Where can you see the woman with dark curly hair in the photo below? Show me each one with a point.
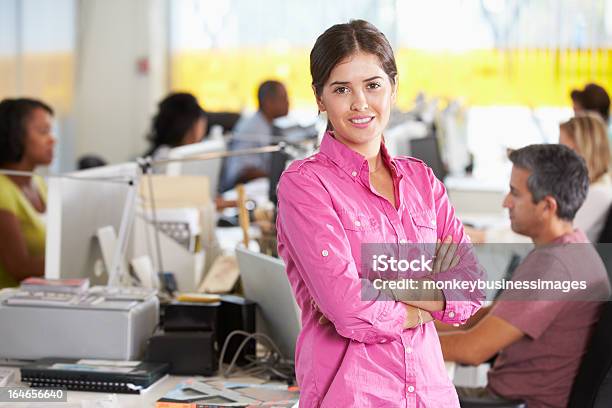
(179, 121)
(26, 142)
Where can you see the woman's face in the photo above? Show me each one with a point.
(566, 140)
(357, 98)
(39, 140)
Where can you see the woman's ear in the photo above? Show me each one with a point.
(318, 98)
(394, 92)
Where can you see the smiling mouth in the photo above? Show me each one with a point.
(362, 121)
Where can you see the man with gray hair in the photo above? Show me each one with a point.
(539, 336)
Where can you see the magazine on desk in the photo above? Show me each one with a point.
(199, 394)
(33, 284)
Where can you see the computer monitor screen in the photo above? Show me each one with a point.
(209, 167)
(427, 149)
(77, 207)
(265, 282)
(277, 166)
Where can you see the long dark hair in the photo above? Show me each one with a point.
(176, 114)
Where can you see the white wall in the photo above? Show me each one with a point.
(114, 102)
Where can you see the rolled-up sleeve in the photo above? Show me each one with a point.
(312, 242)
(461, 303)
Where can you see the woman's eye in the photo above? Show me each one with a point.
(341, 90)
(373, 85)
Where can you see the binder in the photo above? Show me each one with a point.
(109, 376)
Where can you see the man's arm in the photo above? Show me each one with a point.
(475, 346)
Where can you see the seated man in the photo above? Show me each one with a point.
(252, 132)
(540, 335)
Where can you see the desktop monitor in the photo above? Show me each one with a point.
(209, 167)
(265, 282)
(277, 167)
(398, 136)
(427, 149)
(227, 121)
(78, 206)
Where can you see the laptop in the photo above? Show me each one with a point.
(265, 282)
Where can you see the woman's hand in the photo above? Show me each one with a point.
(322, 319)
(446, 257)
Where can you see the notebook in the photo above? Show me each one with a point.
(127, 377)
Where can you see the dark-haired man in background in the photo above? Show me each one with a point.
(593, 98)
(252, 132)
(540, 336)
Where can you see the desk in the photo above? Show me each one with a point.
(146, 399)
(81, 399)
(469, 195)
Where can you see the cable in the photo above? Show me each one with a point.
(271, 364)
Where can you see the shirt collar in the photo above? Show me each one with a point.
(349, 160)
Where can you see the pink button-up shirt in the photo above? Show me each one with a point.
(364, 358)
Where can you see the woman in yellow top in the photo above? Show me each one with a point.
(25, 143)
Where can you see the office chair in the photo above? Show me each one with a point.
(605, 237)
(604, 244)
(593, 384)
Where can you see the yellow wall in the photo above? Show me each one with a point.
(228, 79)
(49, 77)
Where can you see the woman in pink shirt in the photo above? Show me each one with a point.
(371, 351)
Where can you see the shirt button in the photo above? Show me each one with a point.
(451, 314)
(403, 241)
(409, 350)
(433, 222)
(357, 224)
(324, 252)
(383, 341)
(354, 174)
(410, 388)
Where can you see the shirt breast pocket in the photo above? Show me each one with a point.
(426, 226)
(357, 222)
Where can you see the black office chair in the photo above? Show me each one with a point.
(593, 384)
(605, 236)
